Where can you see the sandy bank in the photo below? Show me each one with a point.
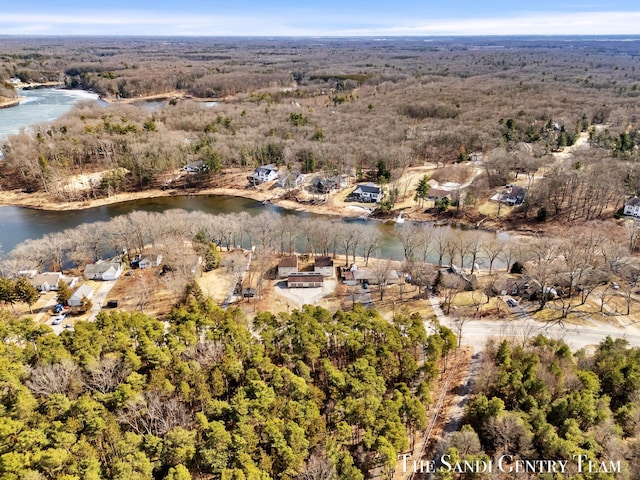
(42, 201)
(9, 102)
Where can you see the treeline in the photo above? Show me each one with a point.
(535, 399)
(205, 395)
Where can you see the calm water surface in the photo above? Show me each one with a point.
(18, 224)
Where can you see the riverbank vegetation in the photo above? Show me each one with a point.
(585, 270)
(204, 394)
(535, 399)
(371, 112)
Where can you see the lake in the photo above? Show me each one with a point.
(39, 106)
(18, 224)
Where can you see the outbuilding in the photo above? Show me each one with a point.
(305, 280)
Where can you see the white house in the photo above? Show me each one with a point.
(150, 261)
(266, 173)
(84, 291)
(47, 281)
(632, 207)
(287, 266)
(323, 266)
(368, 192)
(103, 271)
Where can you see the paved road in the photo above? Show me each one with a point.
(476, 332)
(521, 327)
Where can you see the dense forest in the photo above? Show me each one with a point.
(358, 107)
(204, 394)
(535, 399)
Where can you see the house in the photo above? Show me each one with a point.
(327, 185)
(438, 194)
(511, 195)
(48, 281)
(346, 275)
(103, 271)
(266, 173)
(194, 167)
(323, 266)
(368, 192)
(370, 277)
(287, 266)
(305, 280)
(146, 261)
(83, 292)
(290, 180)
(632, 207)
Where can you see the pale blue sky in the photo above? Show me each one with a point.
(320, 18)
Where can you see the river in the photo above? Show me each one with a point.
(18, 224)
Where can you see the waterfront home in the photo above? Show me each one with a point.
(195, 167)
(328, 185)
(48, 281)
(323, 266)
(632, 207)
(368, 192)
(265, 173)
(370, 277)
(287, 266)
(103, 271)
(146, 261)
(290, 180)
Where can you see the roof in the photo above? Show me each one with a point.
(83, 291)
(389, 275)
(52, 278)
(368, 188)
(305, 277)
(94, 268)
(438, 193)
(323, 262)
(291, 261)
(271, 168)
(632, 202)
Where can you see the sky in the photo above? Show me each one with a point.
(320, 18)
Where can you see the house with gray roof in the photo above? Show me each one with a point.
(368, 192)
(103, 271)
(632, 207)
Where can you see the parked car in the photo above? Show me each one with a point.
(512, 303)
(58, 319)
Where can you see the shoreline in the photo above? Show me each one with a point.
(40, 201)
(11, 102)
